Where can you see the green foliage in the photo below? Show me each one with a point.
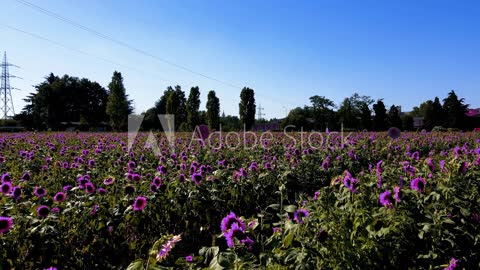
(344, 230)
(64, 99)
(117, 105)
(393, 117)
(176, 105)
(193, 105)
(247, 107)
(380, 117)
(213, 110)
(322, 110)
(230, 123)
(455, 111)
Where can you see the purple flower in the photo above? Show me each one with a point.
(89, 188)
(247, 242)
(67, 188)
(157, 181)
(418, 184)
(315, 196)
(234, 232)
(101, 191)
(350, 182)
(385, 199)
(140, 203)
(51, 268)
(6, 178)
(94, 209)
(300, 215)
(379, 166)
(91, 163)
(197, 178)
(394, 132)
(40, 192)
(464, 167)
(430, 164)
(268, 166)
(397, 193)
(189, 258)
(325, 164)
(167, 247)
(59, 197)
(108, 181)
(16, 193)
(452, 265)
(43, 211)
(229, 220)
(6, 188)
(131, 164)
(442, 165)
(162, 169)
(26, 176)
(6, 224)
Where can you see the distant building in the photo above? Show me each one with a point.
(269, 126)
(418, 122)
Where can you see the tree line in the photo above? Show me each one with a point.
(60, 102)
(360, 112)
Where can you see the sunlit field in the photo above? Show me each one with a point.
(363, 200)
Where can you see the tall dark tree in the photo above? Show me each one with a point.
(365, 117)
(438, 113)
(117, 105)
(426, 111)
(322, 109)
(176, 105)
(393, 117)
(213, 110)
(193, 105)
(347, 114)
(454, 111)
(247, 107)
(161, 104)
(380, 117)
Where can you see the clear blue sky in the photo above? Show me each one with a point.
(402, 51)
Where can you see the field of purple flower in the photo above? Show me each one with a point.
(365, 201)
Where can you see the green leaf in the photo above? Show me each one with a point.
(136, 265)
(287, 240)
(290, 208)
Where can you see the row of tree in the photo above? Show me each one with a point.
(361, 112)
(188, 114)
(61, 102)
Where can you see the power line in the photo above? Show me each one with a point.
(83, 52)
(121, 43)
